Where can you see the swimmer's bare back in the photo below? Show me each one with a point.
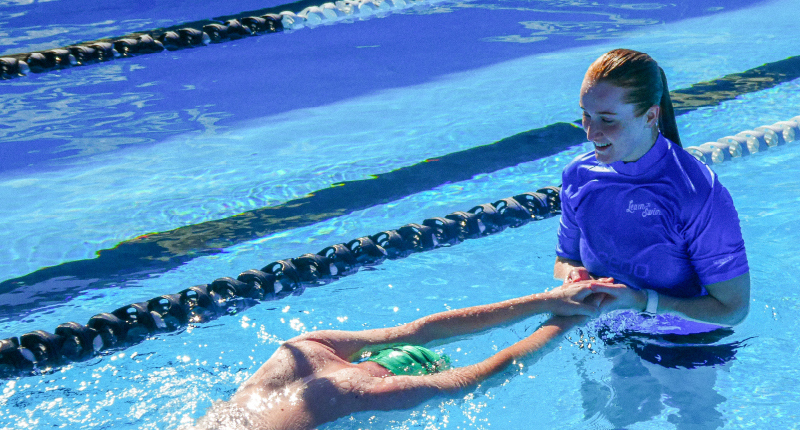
(305, 384)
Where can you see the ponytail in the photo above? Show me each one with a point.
(666, 120)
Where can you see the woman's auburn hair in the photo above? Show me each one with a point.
(645, 80)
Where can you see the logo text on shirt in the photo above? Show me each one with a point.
(722, 261)
(645, 208)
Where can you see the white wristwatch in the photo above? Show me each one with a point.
(652, 302)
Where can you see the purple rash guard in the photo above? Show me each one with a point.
(663, 222)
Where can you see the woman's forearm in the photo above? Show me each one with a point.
(704, 309)
(727, 302)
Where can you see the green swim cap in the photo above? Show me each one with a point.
(411, 360)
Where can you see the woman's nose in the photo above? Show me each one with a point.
(592, 130)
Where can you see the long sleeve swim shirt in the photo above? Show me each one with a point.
(663, 222)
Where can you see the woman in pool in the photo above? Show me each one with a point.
(312, 379)
(642, 210)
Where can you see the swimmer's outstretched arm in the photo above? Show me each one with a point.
(569, 299)
(408, 391)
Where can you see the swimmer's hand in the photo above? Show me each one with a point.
(578, 297)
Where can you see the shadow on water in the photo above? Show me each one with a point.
(60, 118)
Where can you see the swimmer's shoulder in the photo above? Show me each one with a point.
(294, 360)
(338, 391)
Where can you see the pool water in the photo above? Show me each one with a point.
(97, 155)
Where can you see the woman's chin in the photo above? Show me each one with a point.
(604, 154)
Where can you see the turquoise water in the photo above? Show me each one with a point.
(73, 207)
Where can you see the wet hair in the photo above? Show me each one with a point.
(646, 81)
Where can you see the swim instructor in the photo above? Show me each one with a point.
(324, 375)
(642, 210)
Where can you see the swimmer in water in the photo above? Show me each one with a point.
(321, 376)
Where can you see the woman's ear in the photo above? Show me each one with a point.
(652, 115)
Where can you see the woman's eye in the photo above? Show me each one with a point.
(607, 121)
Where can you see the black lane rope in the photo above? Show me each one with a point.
(159, 252)
(41, 351)
(195, 34)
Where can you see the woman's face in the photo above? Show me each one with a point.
(611, 124)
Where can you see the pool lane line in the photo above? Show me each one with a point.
(193, 34)
(156, 253)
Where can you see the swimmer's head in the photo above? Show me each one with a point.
(410, 360)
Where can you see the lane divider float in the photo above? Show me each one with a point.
(747, 142)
